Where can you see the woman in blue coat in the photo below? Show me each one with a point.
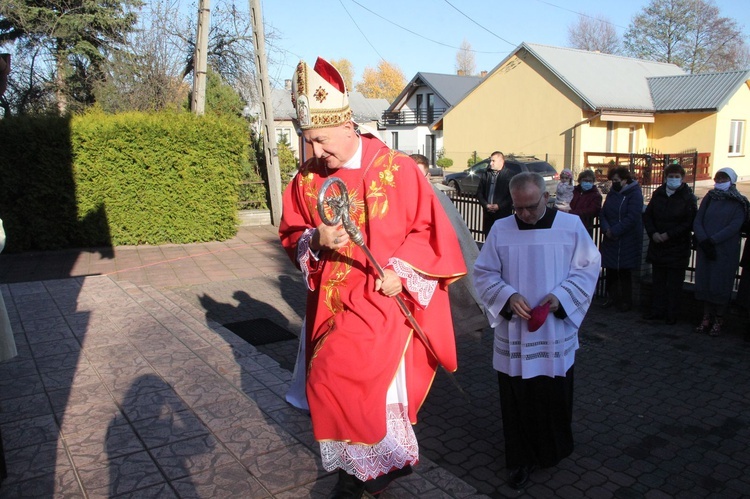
(717, 229)
(622, 237)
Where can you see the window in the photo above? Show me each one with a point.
(420, 119)
(429, 149)
(284, 135)
(430, 107)
(631, 140)
(394, 140)
(736, 133)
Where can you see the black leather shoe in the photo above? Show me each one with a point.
(519, 477)
(377, 485)
(608, 303)
(348, 487)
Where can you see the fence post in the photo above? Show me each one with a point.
(695, 168)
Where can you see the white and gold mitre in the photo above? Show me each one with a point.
(319, 96)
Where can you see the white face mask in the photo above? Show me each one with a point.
(722, 186)
(674, 183)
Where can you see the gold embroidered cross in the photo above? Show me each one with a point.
(320, 94)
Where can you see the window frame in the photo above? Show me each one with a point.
(736, 138)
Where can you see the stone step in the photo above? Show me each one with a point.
(252, 218)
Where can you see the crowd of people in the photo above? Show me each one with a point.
(673, 225)
(383, 309)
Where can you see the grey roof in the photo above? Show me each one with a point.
(449, 88)
(364, 109)
(603, 81)
(696, 92)
(282, 104)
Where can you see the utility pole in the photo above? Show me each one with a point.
(200, 58)
(266, 114)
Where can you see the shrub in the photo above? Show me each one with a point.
(444, 162)
(132, 178)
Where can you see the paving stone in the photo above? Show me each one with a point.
(658, 412)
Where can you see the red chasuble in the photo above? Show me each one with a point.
(356, 337)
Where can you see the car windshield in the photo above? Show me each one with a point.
(482, 165)
(542, 168)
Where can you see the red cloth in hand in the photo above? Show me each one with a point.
(538, 316)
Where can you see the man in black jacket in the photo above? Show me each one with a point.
(494, 192)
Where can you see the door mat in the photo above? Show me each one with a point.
(260, 331)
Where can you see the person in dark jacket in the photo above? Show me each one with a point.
(743, 290)
(587, 200)
(622, 237)
(494, 192)
(717, 230)
(668, 221)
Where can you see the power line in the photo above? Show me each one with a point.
(417, 34)
(487, 30)
(581, 14)
(360, 31)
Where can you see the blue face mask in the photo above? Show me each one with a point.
(722, 186)
(586, 186)
(674, 183)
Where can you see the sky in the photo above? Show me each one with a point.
(425, 35)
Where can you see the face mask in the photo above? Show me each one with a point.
(722, 186)
(674, 183)
(616, 187)
(586, 186)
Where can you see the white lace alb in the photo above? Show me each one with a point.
(396, 450)
(419, 285)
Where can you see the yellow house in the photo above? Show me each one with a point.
(559, 104)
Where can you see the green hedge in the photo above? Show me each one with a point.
(133, 178)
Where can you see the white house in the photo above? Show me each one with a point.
(410, 118)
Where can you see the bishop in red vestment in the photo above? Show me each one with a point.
(368, 373)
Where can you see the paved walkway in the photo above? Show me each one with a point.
(127, 384)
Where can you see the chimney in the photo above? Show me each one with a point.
(287, 84)
(460, 72)
(483, 74)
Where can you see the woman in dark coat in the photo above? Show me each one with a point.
(587, 200)
(717, 229)
(622, 237)
(668, 221)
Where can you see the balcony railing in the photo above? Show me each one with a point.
(423, 117)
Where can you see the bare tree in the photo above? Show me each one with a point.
(715, 43)
(147, 75)
(465, 63)
(31, 86)
(230, 45)
(596, 34)
(688, 33)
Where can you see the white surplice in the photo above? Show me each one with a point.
(561, 260)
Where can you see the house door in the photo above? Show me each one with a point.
(429, 149)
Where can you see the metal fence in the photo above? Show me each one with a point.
(648, 168)
(472, 213)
